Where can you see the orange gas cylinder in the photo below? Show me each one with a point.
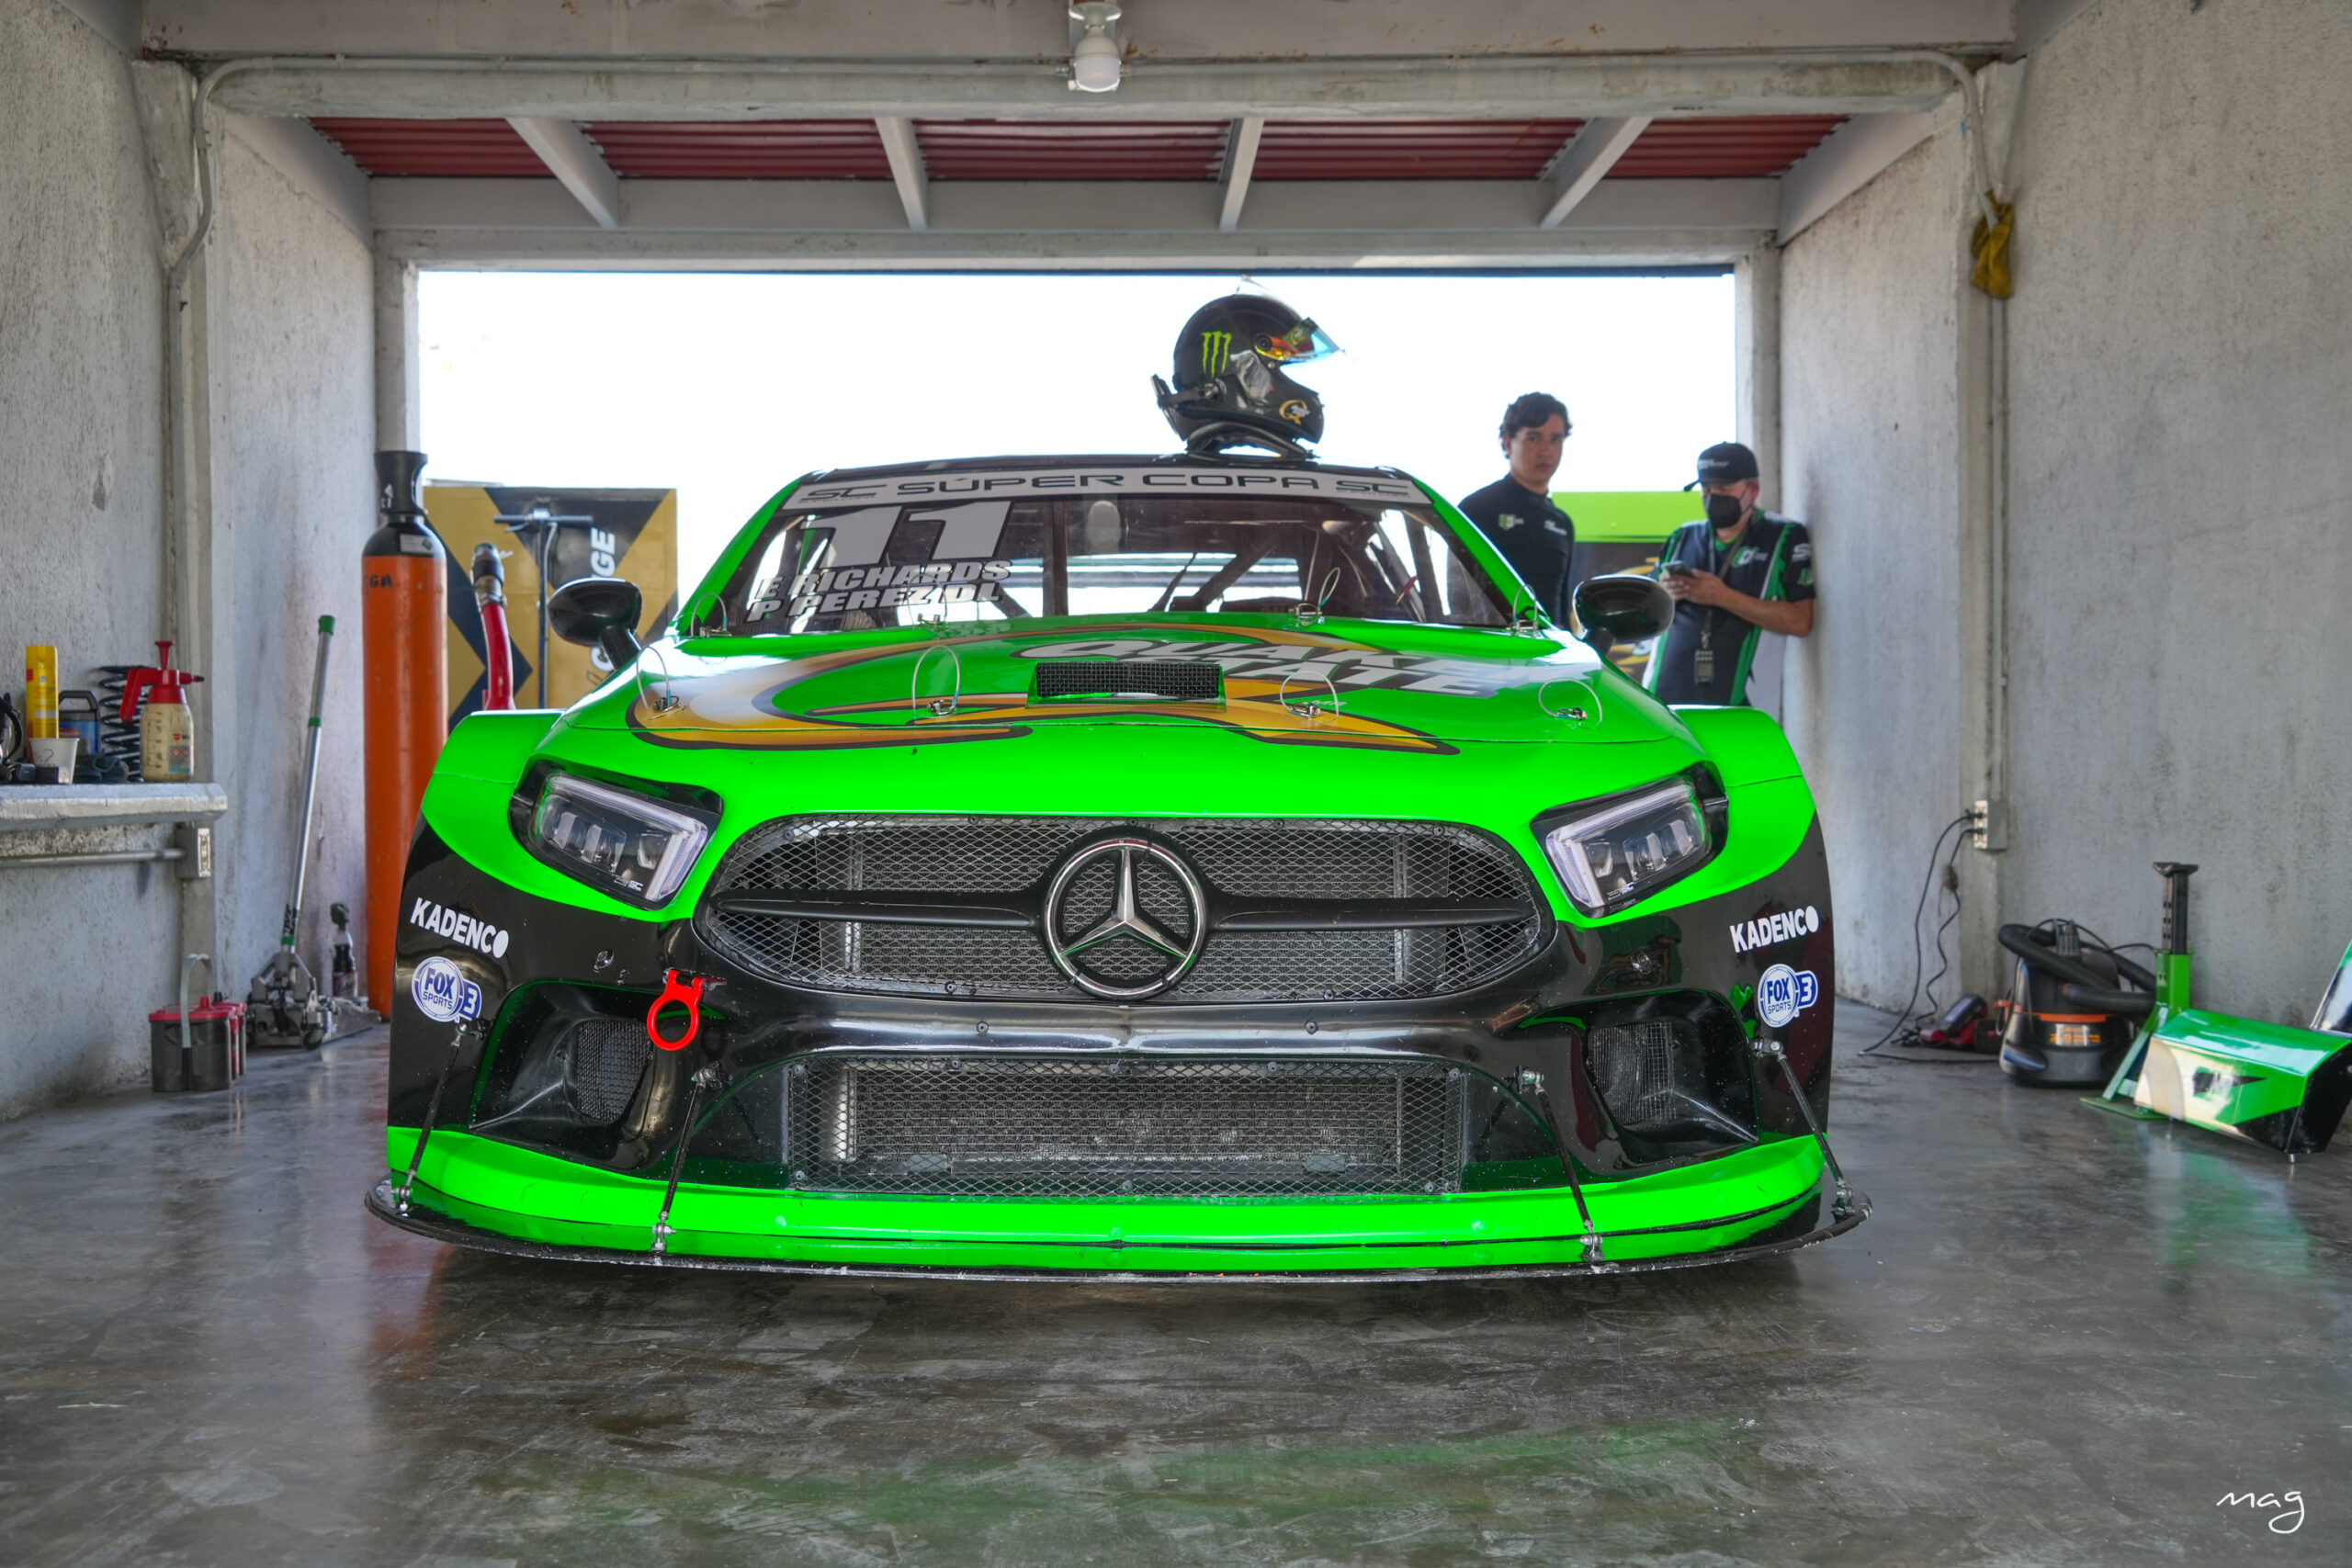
(403, 602)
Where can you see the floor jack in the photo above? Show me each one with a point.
(2268, 1083)
(285, 1009)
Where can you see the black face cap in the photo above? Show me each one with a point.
(1726, 462)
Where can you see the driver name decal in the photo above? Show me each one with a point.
(829, 591)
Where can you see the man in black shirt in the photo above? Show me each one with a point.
(1515, 510)
(1734, 574)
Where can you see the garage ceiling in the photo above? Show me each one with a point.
(1744, 147)
(945, 134)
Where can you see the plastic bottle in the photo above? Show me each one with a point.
(166, 728)
(342, 975)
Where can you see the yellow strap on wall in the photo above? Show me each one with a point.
(1990, 247)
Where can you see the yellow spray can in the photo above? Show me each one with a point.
(40, 694)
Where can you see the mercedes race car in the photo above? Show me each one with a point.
(1151, 866)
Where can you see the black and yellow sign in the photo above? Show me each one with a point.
(631, 533)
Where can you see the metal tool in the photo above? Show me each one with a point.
(287, 1009)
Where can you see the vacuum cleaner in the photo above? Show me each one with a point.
(2271, 1083)
(2070, 1016)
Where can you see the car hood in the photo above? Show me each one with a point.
(1350, 684)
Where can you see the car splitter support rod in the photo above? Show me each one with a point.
(466, 1027)
(1535, 1080)
(705, 1079)
(1769, 1045)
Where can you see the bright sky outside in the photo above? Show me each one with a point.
(727, 387)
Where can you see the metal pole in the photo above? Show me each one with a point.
(1768, 1045)
(310, 781)
(1592, 1242)
(465, 1026)
(547, 537)
(706, 1078)
(97, 857)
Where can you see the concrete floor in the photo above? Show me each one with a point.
(2061, 1339)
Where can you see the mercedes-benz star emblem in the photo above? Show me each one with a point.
(1172, 953)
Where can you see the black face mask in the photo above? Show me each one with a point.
(1723, 511)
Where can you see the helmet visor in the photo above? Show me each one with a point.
(1296, 346)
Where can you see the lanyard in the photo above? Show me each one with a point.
(1715, 551)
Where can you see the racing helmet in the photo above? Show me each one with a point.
(1231, 388)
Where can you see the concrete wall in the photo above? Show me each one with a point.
(1869, 443)
(293, 403)
(2178, 564)
(86, 952)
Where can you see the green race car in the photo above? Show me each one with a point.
(1151, 866)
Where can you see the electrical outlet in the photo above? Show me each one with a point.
(1988, 825)
(195, 845)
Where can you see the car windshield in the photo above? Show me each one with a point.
(851, 567)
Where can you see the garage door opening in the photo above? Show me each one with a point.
(726, 387)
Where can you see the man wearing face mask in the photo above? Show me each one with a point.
(1517, 513)
(1739, 573)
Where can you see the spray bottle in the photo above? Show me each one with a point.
(342, 975)
(166, 728)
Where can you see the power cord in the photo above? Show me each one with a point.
(1951, 879)
(1904, 1019)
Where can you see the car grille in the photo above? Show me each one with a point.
(996, 1126)
(841, 859)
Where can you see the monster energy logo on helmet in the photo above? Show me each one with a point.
(1230, 386)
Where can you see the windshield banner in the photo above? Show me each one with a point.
(1144, 478)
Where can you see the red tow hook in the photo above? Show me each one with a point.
(676, 988)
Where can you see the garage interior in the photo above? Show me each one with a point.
(2061, 1336)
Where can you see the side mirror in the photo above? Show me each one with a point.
(598, 612)
(1622, 607)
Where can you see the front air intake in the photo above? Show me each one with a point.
(1674, 1073)
(1130, 681)
(1071, 1125)
(1097, 1128)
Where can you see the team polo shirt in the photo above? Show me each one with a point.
(1531, 534)
(1771, 559)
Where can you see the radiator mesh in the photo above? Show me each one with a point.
(1091, 1127)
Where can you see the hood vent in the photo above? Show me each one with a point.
(1130, 681)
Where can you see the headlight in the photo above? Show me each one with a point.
(629, 846)
(1611, 853)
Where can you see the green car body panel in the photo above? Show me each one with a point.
(1320, 723)
(2268, 1083)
